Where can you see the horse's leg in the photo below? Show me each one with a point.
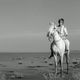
(67, 44)
(67, 60)
(55, 56)
(59, 61)
(61, 66)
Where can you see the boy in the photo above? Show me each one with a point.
(62, 31)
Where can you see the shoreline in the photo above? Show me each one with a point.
(36, 65)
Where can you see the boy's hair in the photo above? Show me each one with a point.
(61, 19)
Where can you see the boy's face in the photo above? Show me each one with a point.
(61, 22)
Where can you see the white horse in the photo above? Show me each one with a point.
(59, 48)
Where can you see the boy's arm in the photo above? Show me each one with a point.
(49, 37)
(65, 31)
(47, 34)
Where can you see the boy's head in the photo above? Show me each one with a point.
(61, 21)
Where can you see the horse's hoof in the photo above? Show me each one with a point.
(51, 64)
(74, 62)
(45, 61)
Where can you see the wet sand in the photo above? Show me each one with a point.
(37, 68)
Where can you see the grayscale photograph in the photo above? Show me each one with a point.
(39, 39)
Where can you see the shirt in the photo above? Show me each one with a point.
(62, 31)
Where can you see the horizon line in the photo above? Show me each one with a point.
(35, 52)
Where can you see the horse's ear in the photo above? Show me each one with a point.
(51, 23)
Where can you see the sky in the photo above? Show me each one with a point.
(24, 23)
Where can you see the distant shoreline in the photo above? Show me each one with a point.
(71, 51)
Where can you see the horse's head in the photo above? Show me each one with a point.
(53, 28)
(52, 31)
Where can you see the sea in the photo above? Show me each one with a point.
(4, 56)
(7, 56)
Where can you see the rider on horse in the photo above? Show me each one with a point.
(62, 31)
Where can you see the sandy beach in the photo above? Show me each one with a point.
(36, 68)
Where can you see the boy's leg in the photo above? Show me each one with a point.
(51, 48)
(66, 45)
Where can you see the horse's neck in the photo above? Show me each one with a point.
(56, 36)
